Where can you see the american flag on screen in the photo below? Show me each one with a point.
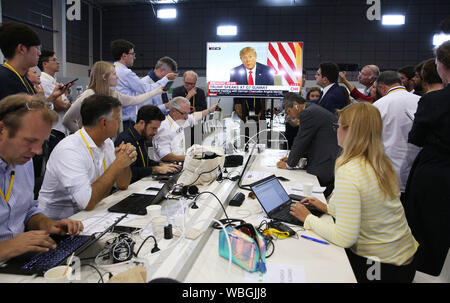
(286, 59)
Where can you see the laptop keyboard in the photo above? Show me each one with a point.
(287, 217)
(43, 262)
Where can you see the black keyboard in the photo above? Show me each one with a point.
(43, 262)
(285, 216)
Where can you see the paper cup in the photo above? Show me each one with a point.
(153, 211)
(307, 189)
(56, 274)
(158, 224)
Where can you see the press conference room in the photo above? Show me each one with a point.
(204, 144)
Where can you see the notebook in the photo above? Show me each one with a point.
(275, 200)
(38, 263)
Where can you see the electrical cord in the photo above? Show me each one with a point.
(154, 249)
(198, 177)
(269, 239)
(208, 192)
(98, 271)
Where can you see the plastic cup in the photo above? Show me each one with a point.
(153, 211)
(307, 189)
(56, 274)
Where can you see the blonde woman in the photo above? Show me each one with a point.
(103, 77)
(369, 218)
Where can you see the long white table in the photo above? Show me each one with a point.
(198, 260)
(313, 261)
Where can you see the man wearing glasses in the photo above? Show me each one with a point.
(21, 47)
(169, 142)
(49, 66)
(190, 91)
(130, 84)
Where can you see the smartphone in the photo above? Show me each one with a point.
(124, 229)
(282, 178)
(167, 86)
(296, 197)
(65, 85)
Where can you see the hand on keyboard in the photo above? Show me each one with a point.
(36, 240)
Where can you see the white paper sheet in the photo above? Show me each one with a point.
(278, 273)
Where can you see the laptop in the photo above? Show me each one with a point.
(136, 204)
(248, 164)
(38, 263)
(275, 200)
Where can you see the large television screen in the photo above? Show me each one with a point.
(253, 69)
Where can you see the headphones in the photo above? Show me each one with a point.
(121, 249)
(189, 189)
(185, 190)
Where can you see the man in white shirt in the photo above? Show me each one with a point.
(397, 108)
(49, 66)
(85, 165)
(169, 142)
(130, 84)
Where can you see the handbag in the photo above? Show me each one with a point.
(248, 247)
(201, 170)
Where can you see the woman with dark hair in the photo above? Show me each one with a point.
(427, 203)
(431, 80)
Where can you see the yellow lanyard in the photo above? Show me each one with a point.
(193, 100)
(182, 140)
(92, 156)
(27, 86)
(42, 74)
(399, 88)
(254, 104)
(140, 150)
(8, 194)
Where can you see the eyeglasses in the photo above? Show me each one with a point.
(189, 83)
(133, 54)
(335, 126)
(54, 59)
(184, 114)
(34, 104)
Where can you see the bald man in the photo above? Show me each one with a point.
(190, 91)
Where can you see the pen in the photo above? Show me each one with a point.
(315, 240)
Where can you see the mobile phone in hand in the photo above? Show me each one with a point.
(68, 83)
(167, 86)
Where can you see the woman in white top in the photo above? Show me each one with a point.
(103, 77)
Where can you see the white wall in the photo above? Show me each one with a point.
(76, 70)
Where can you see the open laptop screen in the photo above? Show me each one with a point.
(270, 193)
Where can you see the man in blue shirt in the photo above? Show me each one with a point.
(25, 123)
(130, 84)
(149, 119)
